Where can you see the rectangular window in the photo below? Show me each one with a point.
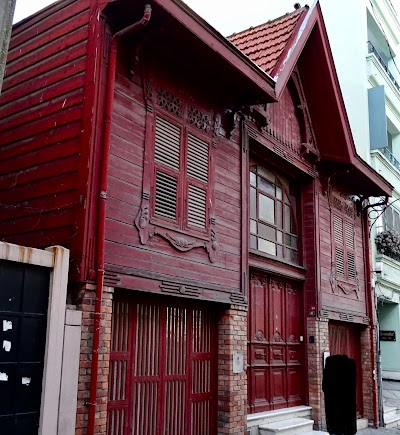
(181, 161)
(343, 235)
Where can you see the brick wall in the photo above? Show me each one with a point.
(87, 307)
(369, 391)
(232, 387)
(317, 328)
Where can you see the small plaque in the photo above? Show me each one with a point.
(238, 362)
(387, 335)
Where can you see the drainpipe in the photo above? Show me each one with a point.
(101, 216)
(371, 309)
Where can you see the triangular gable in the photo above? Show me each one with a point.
(307, 47)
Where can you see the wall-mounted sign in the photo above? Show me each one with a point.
(387, 335)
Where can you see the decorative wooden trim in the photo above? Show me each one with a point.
(180, 289)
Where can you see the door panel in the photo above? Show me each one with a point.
(171, 364)
(24, 293)
(275, 346)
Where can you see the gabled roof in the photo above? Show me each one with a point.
(266, 44)
(300, 38)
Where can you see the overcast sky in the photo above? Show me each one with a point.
(227, 16)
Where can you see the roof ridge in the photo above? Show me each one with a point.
(269, 22)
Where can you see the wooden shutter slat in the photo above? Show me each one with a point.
(197, 207)
(338, 229)
(167, 143)
(340, 261)
(351, 267)
(197, 159)
(166, 195)
(349, 235)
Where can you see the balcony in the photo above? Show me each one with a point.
(372, 49)
(387, 281)
(390, 157)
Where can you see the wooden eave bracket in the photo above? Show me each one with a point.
(308, 152)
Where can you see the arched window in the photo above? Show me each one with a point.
(273, 223)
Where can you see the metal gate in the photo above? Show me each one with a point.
(24, 293)
(163, 369)
(275, 344)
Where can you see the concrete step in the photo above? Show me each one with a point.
(315, 432)
(392, 421)
(362, 423)
(278, 414)
(292, 426)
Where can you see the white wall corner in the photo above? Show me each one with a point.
(51, 384)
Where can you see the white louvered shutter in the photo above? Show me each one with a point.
(166, 155)
(197, 172)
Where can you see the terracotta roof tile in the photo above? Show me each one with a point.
(266, 43)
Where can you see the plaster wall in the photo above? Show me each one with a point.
(389, 320)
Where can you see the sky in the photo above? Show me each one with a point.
(227, 16)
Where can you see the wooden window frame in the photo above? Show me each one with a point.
(347, 248)
(181, 224)
(295, 215)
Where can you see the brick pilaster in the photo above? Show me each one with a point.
(317, 328)
(87, 306)
(369, 391)
(232, 387)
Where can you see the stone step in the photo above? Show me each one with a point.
(392, 421)
(292, 426)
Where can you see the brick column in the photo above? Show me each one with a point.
(87, 307)
(317, 328)
(232, 387)
(369, 393)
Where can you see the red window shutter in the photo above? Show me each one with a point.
(167, 155)
(198, 176)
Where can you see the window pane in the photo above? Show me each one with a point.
(279, 236)
(288, 219)
(266, 231)
(266, 246)
(266, 186)
(278, 222)
(278, 192)
(279, 251)
(396, 220)
(253, 203)
(253, 226)
(389, 218)
(266, 208)
(288, 239)
(253, 242)
(294, 256)
(253, 179)
(268, 175)
(294, 242)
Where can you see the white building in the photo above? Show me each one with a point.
(365, 42)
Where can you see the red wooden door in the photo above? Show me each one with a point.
(163, 369)
(344, 339)
(276, 344)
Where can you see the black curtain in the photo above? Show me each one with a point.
(339, 387)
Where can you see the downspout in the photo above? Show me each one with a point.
(371, 309)
(101, 215)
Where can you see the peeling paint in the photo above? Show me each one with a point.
(7, 345)
(3, 377)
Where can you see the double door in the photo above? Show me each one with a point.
(276, 372)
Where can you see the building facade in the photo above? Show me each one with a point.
(371, 94)
(215, 210)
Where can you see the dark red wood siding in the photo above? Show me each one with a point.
(46, 128)
(157, 258)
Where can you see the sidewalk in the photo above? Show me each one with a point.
(381, 430)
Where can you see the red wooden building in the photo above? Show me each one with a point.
(214, 208)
